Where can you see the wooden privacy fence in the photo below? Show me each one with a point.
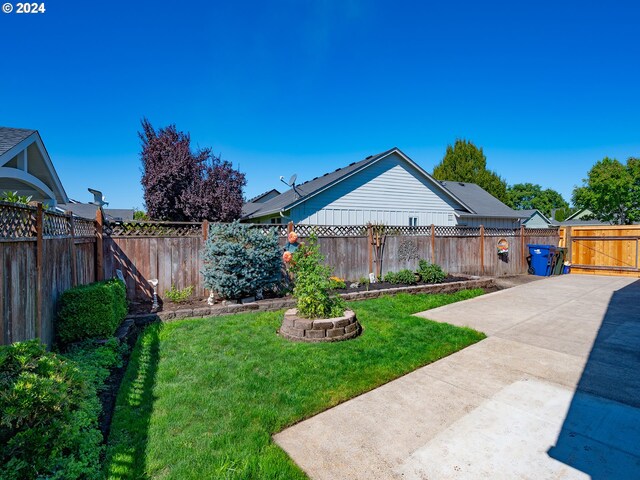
(42, 254)
(603, 249)
(171, 251)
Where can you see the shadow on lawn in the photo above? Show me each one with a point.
(601, 432)
(126, 448)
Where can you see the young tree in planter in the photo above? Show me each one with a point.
(240, 260)
(312, 283)
(185, 185)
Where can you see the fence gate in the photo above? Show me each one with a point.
(603, 250)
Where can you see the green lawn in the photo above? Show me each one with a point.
(201, 398)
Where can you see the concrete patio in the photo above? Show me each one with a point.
(553, 392)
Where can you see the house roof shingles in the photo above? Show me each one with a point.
(482, 202)
(10, 137)
(478, 200)
(307, 188)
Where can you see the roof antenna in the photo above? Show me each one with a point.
(291, 183)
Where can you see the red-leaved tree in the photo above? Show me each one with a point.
(184, 185)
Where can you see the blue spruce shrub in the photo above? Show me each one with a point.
(240, 260)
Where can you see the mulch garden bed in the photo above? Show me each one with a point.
(144, 307)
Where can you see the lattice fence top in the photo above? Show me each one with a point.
(56, 225)
(541, 232)
(331, 230)
(17, 221)
(83, 227)
(153, 229)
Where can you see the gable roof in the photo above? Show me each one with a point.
(263, 196)
(304, 191)
(531, 212)
(10, 137)
(482, 203)
(37, 174)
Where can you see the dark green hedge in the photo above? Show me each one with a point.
(90, 311)
(50, 408)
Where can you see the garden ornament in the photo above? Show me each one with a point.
(154, 283)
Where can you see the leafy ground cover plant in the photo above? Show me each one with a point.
(402, 277)
(240, 260)
(177, 295)
(49, 404)
(313, 288)
(90, 311)
(430, 272)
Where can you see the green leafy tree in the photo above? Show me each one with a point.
(611, 191)
(526, 196)
(464, 162)
(140, 215)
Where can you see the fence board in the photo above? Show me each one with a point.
(604, 249)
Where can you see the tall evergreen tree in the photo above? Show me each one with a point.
(464, 162)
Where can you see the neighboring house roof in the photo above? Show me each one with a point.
(578, 214)
(25, 166)
(486, 205)
(88, 210)
(255, 202)
(263, 197)
(10, 137)
(482, 203)
(528, 213)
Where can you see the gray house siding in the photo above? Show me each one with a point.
(536, 221)
(389, 192)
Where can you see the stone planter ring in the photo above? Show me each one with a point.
(321, 329)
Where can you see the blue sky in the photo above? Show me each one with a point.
(546, 88)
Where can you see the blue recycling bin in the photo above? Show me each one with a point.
(542, 259)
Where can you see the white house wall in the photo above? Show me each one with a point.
(389, 192)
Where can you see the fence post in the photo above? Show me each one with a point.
(568, 243)
(370, 237)
(205, 230)
(99, 248)
(481, 250)
(39, 257)
(289, 227)
(74, 264)
(523, 254)
(433, 243)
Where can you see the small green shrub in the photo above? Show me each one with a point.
(91, 311)
(391, 277)
(430, 272)
(240, 260)
(49, 404)
(178, 296)
(405, 276)
(312, 287)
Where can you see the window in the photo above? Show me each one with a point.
(413, 221)
(276, 220)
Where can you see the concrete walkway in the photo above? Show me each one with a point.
(553, 392)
